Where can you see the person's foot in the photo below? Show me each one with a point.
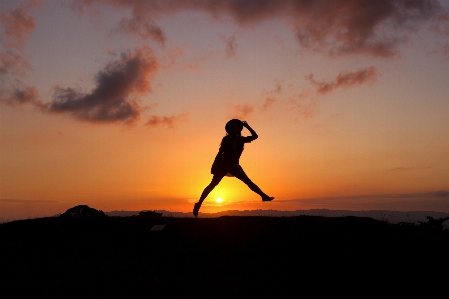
(196, 208)
(267, 198)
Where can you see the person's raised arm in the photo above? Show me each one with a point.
(253, 133)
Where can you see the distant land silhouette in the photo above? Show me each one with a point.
(382, 215)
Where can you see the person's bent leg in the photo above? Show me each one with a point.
(241, 175)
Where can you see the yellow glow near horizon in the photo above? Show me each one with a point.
(219, 200)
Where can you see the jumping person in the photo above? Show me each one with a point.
(226, 162)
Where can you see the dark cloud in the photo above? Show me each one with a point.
(20, 96)
(345, 79)
(337, 27)
(361, 27)
(171, 122)
(231, 45)
(115, 97)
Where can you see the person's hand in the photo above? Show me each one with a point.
(245, 124)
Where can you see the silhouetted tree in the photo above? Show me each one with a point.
(432, 223)
(83, 211)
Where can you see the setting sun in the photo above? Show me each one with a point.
(219, 200)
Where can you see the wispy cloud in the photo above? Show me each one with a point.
(171, 122)
(345, 79)
(231, 45)
(13, 64)
(115, 97)
(143, 27)
(268, 103)
(341, 27)
(241, 111)
(170, 58)
(441, 29)
(17, 25)
(304, 105)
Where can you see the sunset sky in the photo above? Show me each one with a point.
(121, 105)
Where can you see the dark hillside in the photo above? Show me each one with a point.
(215, 257)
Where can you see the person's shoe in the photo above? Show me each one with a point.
(196, 208)
(267, 198)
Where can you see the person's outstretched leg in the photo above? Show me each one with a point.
(215, 180)
(241, 175)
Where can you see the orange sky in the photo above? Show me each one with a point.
(122, 105)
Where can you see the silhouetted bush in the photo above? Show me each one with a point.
(83, 211)
(433, 224)
(150, 214)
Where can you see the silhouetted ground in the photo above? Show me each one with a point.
(218, 257)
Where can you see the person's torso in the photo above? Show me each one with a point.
(232, 147)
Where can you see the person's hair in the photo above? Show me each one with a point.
(231, 122)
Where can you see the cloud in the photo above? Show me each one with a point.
(142, 26)
(338, 27)
(441, 25)
(115, 97)
(446, 51)
(17, 25)
(170, 58)
(231, 45)
(268, 103)
(13, 64)
(242, 111)
(375, 28)
(441, 29)
(346, 79)
(303, 104)
(306, 110)
(20, 96)
(278, 88)
(169, 121)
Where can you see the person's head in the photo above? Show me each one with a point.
(234, 127)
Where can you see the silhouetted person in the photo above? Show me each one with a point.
(227, 160)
